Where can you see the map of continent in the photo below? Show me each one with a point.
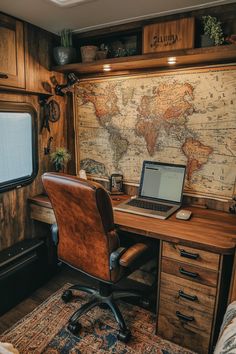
(186, 117)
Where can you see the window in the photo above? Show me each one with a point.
(18, 145)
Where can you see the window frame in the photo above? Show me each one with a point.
(19, 107)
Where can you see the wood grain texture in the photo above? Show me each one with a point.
(194, 335)
(171, 285)
(204, 259)
(12, 52)
(127, 65)
(208, 230)
(204, 276)
(167, 36)
(15, 223)
(71, 141)
(8, 57)
(45, 215)
(38, 60)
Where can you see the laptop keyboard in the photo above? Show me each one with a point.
(144, 204)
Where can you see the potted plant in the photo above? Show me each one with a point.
(212, 30)
(59, 158)
(65, 53)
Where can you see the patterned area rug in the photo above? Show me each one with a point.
(45, 331)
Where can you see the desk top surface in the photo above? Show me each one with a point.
(207, 229)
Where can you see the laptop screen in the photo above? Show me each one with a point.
(162, 181)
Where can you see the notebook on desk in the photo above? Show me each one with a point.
(160, 192)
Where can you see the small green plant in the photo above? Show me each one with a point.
(59, 158)
(212, 28)
(66, 38)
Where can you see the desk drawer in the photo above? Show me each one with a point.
(189, 294)
(192, 332)
(190, 272)
(191, 255)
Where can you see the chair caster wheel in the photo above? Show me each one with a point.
(74, 327)
(124, 336)
(67, 296)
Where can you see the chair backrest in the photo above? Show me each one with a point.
(84, 216)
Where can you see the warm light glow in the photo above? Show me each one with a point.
(69, 3)
(171, 60)
(106, 67)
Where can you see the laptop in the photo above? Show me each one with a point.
(160, 192)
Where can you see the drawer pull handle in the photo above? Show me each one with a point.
(187, 297)
(189, 274)
(184, 317)
(3, 76)
(190, 255)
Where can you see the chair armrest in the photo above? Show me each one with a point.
(132, 253)
(54, 233)
(115, 257)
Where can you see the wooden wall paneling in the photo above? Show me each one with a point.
(58, 130)
(38, 60)
(70, 119)
(15, 224)
(13, 210)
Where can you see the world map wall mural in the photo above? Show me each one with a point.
(186, 117)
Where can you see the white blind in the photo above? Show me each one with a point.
(15, 146)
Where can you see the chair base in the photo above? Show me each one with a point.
(104, 298)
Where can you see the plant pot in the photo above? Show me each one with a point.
(88, 53)
(206, 41)
(101, 54)
(63, 55)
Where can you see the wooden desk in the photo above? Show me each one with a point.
(211, 230)
(195, 258)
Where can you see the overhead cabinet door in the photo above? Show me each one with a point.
(12, 66)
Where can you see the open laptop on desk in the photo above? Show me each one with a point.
(160, 192)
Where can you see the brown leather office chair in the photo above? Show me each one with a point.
(89, 242)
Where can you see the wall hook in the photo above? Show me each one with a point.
(48, 148)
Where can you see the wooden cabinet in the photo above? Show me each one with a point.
(12, 66)
(190, 281)
(191, 255)
(25, 57)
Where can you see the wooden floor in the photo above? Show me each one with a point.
(64, 275)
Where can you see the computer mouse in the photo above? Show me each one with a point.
(183, 214)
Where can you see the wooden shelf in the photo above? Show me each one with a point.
(184, 58)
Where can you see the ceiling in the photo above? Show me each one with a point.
(97, 13)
